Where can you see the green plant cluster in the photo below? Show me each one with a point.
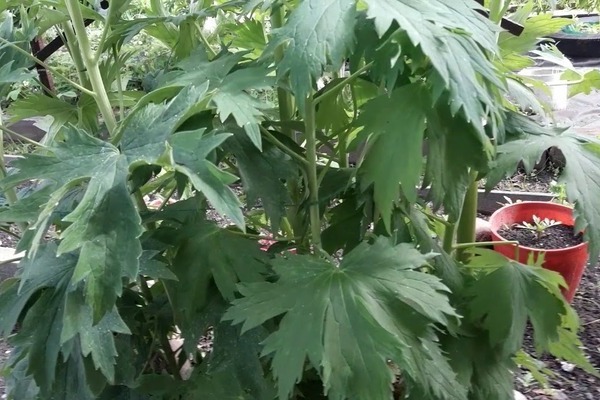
(290, 230)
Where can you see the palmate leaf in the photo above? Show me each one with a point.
(228, 90)
(395, 154)
(510, 294)
(263, 175)
(55, 316)
(236, 355)
(448, 170)
(581, 173)
(146, 132)
(452, 35)
(189, 152)
(43, 271)
(318, 33)
(536, 28)
(9, 75)
(209, 253)
(486, 371)
(36, 105)
(105, 224)
(377, 294)
(232, 99)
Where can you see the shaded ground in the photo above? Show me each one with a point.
(569, 383)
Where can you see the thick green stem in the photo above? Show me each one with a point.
(485, 244)
(468, 217)
(313, 179)
(75, 52)
(449, 238)
(285, 101)
(92, 66)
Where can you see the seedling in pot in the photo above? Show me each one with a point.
(538, 226)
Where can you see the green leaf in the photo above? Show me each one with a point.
(28, 208)
(153, 268)
(44, 270)
(445, 265)
(332, 113)
(248, 36)
(105, 224)
(9, 75)
(486, 371)
(232, 99)
(197, 69)
(72, 381)
(264, 175)
(147, 130)
(589, 82)
(238, 355)
(535, 29)
(452, 35)
(394, 157)
(510, 294)
(41, 332)
(208, 254)
(448, 170)
(318, 34)
(96, 339)
(190, 150)
(582, 153)
(345, 227)
(379, 296)
(36, 105)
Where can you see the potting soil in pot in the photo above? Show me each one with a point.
(554, 237)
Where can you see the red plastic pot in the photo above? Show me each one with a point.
(570, 262)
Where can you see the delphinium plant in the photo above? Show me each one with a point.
(362, 291)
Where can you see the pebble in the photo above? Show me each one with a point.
(519, 396)
(567, 367)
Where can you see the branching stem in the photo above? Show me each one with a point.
(91, 62)
(312, 177)
(334, 90)
(46, 66)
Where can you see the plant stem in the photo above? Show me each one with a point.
(73, 47)
(468, 216)
(449, 237)
(211, 53)
(170, 357)
(483, 244)
(119, 86)
(91, 63)
(333, 91)
(269, 136)
(46, 66)
(21, 137)
(284, 98)
(107, 22)
(313, 180)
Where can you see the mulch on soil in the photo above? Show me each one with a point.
(553, 237)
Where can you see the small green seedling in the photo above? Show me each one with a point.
(538, 226)
(559, 190)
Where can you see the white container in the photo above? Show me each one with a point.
(559, 88)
